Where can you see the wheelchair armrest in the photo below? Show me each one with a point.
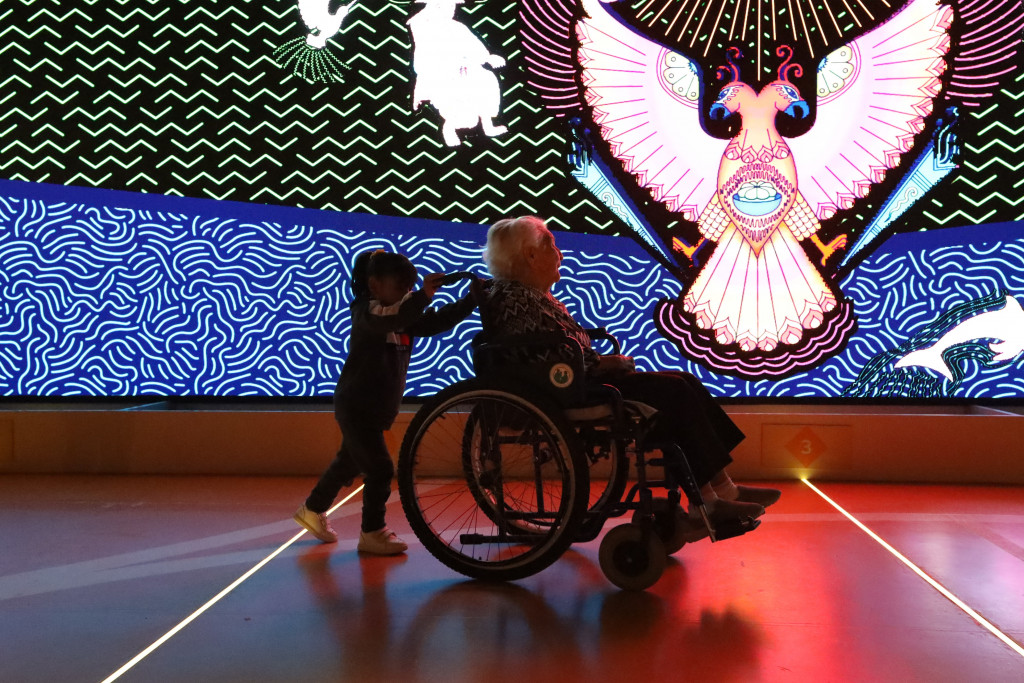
(606, 393)
(601, 333)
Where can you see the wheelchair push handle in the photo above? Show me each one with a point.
(602, 333)
(477, 285)
(452, 278)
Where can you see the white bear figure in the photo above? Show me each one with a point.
(449, 63)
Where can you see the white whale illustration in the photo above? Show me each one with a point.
(1005, 324)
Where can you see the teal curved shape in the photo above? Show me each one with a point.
(757, 207)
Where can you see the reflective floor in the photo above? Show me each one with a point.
(96, 570)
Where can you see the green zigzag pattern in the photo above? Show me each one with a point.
(987, 186)
(185, 99)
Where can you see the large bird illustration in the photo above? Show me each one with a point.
(761, 291)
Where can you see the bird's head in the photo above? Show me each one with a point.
(788, 99)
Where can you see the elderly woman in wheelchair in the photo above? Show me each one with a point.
(500, 474)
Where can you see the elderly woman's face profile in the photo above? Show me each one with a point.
(546, 260)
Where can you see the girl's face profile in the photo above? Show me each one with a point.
(387, 290)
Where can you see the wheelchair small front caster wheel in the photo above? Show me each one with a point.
(672, 525)
(631, 557)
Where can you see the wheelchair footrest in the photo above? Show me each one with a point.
(733, 528)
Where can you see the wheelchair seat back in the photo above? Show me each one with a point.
(548, 361)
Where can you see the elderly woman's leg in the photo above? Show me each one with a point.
(705, 435)
(685, 419)
(722, 483)
(726, 489)
(699, 425)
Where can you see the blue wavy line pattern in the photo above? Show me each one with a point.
(106, 301)
(100, 301)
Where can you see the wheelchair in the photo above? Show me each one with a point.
(499, 474)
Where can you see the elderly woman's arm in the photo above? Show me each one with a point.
(613, 365)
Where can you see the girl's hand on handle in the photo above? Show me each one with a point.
(432, 283)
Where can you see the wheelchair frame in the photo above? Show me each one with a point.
(495, 479)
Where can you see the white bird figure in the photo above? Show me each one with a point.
(322, 24)
(309, 57)
(1005, 324)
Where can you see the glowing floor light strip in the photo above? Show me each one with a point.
(212, 601)
(1016, 647)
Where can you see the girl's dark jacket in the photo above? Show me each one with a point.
(372, 380)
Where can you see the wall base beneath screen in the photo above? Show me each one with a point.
(963, 444)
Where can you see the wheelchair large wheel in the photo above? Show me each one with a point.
(515, 506)
(486, 429)
(609, 471)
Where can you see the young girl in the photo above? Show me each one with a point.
(386, 315)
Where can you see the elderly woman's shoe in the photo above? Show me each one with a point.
(720, 510)
(757, 494)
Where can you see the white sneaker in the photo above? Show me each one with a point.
(315, 523)
(381, 542)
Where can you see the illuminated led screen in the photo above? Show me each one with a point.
(788, 199)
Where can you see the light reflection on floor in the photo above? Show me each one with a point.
(95, 569)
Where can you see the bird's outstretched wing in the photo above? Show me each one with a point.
(645, 100)
(990, 41)
(874, 95)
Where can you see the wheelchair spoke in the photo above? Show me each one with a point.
(489, 483)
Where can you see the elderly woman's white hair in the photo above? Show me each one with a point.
(507, 241)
